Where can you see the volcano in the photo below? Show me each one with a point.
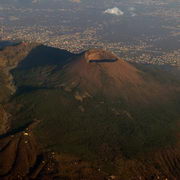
(97, 115)
(97, 71)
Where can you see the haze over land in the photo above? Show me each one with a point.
(144, 31)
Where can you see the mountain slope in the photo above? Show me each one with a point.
(97, 71)
(99, 108)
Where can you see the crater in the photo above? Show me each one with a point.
(100, 56)
(102, 60)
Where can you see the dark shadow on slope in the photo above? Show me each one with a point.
(44, 55)
(4, 44)
(28, 89)
(34, 70)
(17, 130)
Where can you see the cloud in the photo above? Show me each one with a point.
(114, 11)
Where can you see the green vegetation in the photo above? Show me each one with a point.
(79, 132)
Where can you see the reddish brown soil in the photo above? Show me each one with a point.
(112, 79)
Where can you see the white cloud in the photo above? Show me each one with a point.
(114, 11)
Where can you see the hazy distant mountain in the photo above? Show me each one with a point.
(93, 115)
